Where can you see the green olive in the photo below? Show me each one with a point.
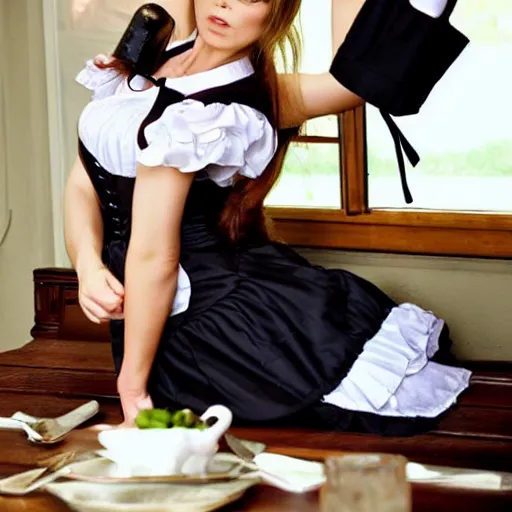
(189, 418)
(161, 415)
(162, 418)
(158, 424)
(142, 421)
(178, 419)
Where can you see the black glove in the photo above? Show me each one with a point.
(145, 40)
(392, 57)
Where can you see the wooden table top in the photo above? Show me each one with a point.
(261, 498)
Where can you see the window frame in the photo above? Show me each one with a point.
(357, 227)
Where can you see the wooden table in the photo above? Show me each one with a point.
(268, 499)
(16, 454)
(69, 361)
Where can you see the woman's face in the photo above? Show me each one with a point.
(231, 25)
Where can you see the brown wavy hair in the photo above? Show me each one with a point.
(242, 219)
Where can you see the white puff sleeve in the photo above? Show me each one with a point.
(102, 82)
(222, 140)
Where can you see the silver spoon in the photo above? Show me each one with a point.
(29, 481)
(52, 430)
(21, 425)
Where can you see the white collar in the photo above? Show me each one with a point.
(223, 75)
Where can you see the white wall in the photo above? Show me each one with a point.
(5, 213)
(29, 242)
(473, 296)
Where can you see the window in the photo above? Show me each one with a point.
(80, 30)
(340, 188)
(340, 184)
(311, 176)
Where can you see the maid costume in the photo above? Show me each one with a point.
(256, 328)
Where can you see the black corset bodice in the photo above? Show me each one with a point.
(115, 193)
(205, 200)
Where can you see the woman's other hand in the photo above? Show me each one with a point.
(134, 398)
(100, 295)
(101, 58)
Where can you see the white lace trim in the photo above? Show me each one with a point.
(103, 82)
(393, 375)
(221, 139)
(183, 293)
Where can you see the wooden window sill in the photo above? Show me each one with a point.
(484, 235)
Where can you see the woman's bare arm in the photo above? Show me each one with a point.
(83, 225)
(344, 13)
(100, 294)
(303, 96)
(183, 13)
(152, 265)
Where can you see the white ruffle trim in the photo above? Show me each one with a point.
(103, 82)
(393, 375)
(183, 292)
(434, 8)
(221, 139)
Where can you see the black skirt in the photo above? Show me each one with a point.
(268, 335)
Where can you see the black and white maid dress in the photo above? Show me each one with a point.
(258, 329)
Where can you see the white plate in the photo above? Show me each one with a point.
(222, 467)
(148, 497)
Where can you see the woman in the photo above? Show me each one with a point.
(213, 311)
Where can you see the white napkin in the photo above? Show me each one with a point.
(454, 477)
(288, 473)
(298, 475)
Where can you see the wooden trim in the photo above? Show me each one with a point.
(353, 169)
(410, 231)
(469, 241)
(485, 235)
(411, 218)
(57, 313)
(45, 381)
(49, 285)
(316, 139)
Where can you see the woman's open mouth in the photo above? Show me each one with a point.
(219, 22)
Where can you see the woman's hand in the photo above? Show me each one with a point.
(133, 397)
(100, 295)
(102, 58)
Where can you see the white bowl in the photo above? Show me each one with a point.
(160, 452)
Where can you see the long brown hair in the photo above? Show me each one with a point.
(242, 219)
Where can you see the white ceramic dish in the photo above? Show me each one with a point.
(148, 497)
(163, 452)
(221, 467)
